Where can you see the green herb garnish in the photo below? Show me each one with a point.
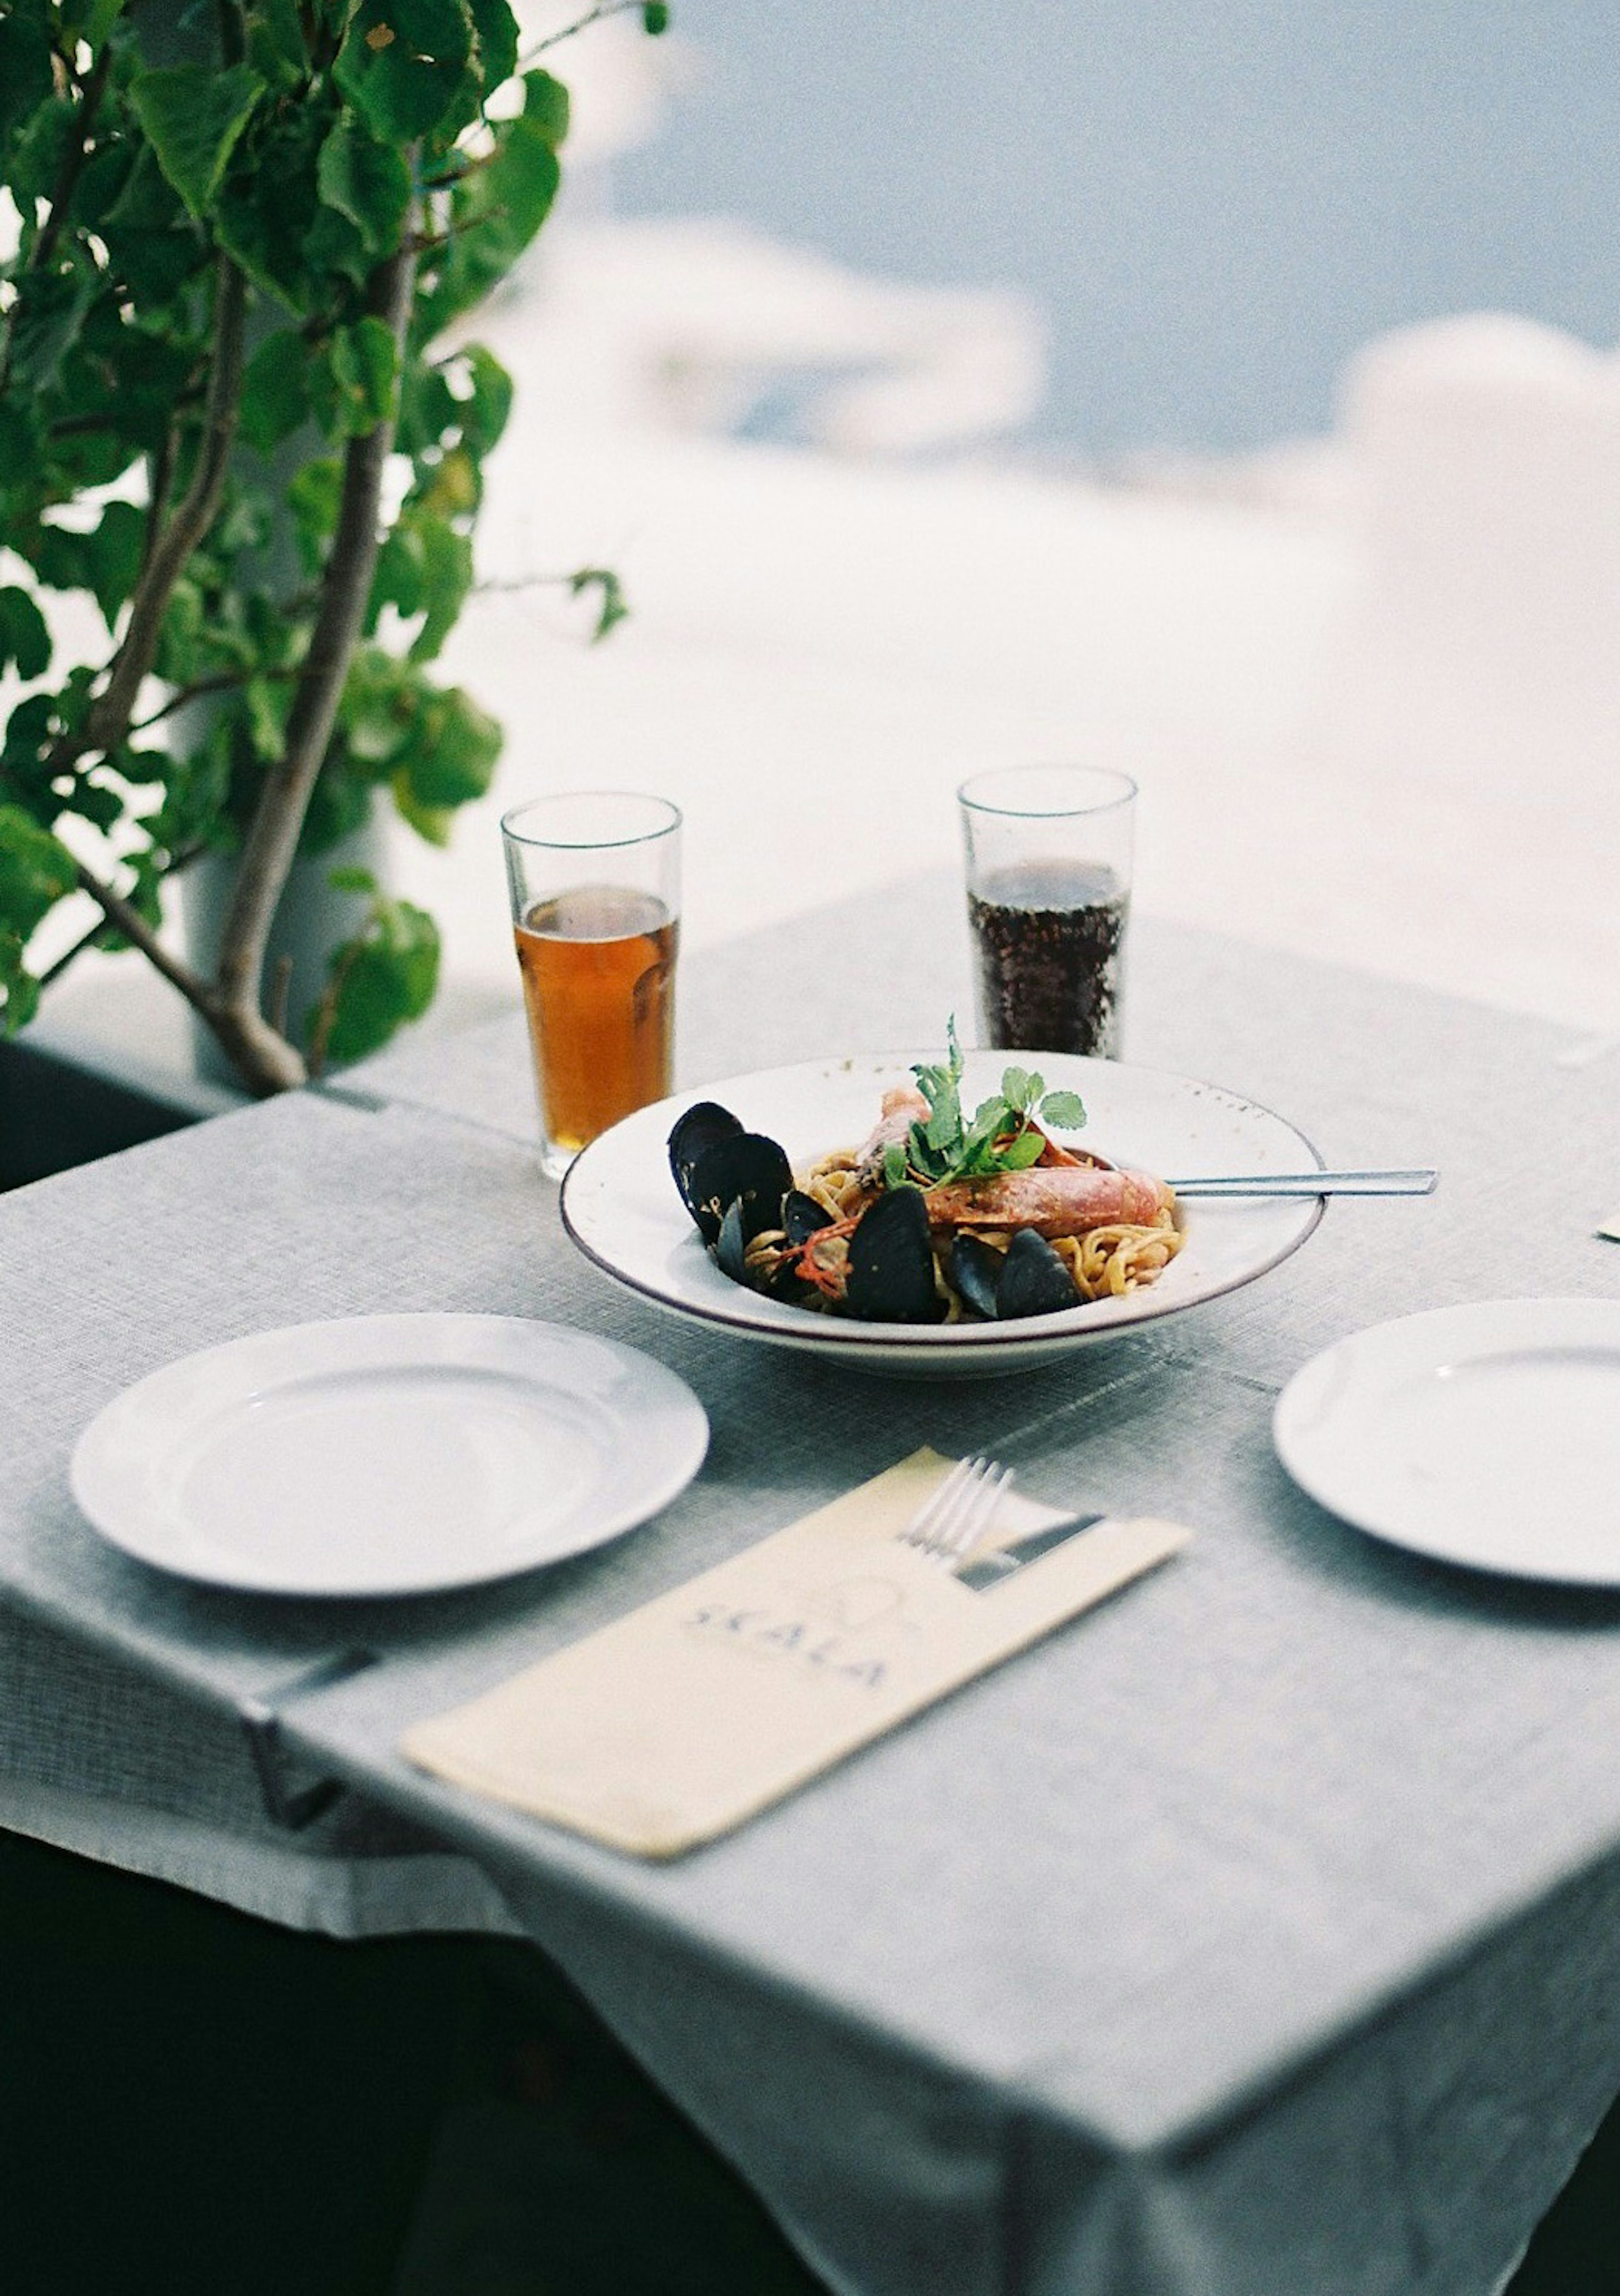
(1003, 1134)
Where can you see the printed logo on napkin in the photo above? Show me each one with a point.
(676, 1723)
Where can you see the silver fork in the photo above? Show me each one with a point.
(953, 1518)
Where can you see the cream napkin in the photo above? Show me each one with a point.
(677, 1722)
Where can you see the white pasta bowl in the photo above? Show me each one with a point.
(621, 1206)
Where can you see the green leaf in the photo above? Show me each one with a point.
(944, 1129)
(37, 151)
(22, 447)
(991, 1117)
(428, 408)
(381, 978)
(655, 17)
(192, 118)
(114, 556)
(274, 390)
(1027, 1149)
(380, 705)
(179, 649)
(546, 102)
(333, 244)
(95, 802)
(402, 63)
(521, 179)
(496, 27)
(36, 871)
(267, 214)
(106, 562)
(483, 416)
(366, 180)
(24, 638)
(894, 1164)
(452, 758)
(46, 322)
(1017, 1087)
(340, 802)
(432, 822)
(99, 22)
(347, 880)
(25, 68)
(353, 385)
(267, 702)
(19, 989)
(612, 609)
(493, 219)
(398, 581)
(447, 577)
(452, 487)
(275, 41)
(1066, 1110)
(312, 497)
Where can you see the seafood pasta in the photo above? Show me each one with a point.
(937, 1216)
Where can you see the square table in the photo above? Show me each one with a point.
(1258, 1932)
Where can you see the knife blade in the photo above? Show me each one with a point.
(1002, 1562)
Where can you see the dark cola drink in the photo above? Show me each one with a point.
(1049, 937)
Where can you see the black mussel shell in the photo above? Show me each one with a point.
(701, 1127)
(891, 1277)
(742, 1168)
(976, 1266)
(803, 1217)
(784, 1283)
(731, 1243)
(1034, 1281)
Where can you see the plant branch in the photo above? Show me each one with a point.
(72, 161)
(107, 721)
(591, 16)
(134, 926)
(266, 1057)
(84, 941)
(428, 243)
(160, 478)
(229, 681)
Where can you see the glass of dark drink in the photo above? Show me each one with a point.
(595, 876)
(1048, 853)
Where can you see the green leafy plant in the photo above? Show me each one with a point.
(233, 413)
(1004, 1133)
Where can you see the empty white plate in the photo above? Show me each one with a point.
(387, 1455)
(1486, 1434)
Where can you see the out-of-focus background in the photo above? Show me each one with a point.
(1220, 390)
(1208, 205)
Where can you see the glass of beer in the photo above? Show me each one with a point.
(594, 877)
(1049, 855)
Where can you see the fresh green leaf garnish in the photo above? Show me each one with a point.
(1004, 1133)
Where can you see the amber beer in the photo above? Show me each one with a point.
(598, 967)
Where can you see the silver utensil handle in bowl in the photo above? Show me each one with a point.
(1420, 1181)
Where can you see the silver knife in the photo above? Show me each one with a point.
(990, 1570)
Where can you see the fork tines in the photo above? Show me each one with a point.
(953, 1518)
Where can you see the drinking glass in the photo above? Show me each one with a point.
(1048, 853)
(595, 876)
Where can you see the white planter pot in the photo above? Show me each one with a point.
(312, 919)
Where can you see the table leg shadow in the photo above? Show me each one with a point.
(191, 2100)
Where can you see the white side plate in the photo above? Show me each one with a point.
(387, 1455)
(620, 1206)
(1486, 1434)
